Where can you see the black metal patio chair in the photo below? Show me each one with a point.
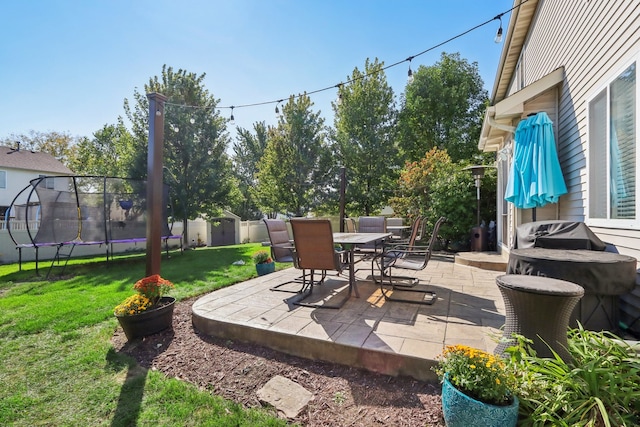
(406, 257)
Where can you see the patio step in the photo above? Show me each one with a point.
(485, 260)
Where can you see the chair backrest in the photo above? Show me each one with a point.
(423, 226)
(349, 225)
(314, 248)
(417, 225)
(372, 224)
(280, 243)
(434, 237)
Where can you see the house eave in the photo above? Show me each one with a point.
(498, 118)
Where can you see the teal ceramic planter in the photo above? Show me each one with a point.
(460, 410)
(265, 268)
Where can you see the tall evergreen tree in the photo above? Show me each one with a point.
(365, 138)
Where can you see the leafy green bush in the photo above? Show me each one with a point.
(261, 257)
(435, 186)
(599, 387)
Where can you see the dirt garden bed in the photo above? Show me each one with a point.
(343, 396)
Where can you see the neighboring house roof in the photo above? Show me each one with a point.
(32, 161)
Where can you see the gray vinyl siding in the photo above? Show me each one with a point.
(594, 40)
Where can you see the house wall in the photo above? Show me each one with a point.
(17, 179)
(594, 41)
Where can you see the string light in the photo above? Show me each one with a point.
(232, 119)
(497, 39)
(339, 99)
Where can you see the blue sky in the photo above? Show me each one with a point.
(67, 66)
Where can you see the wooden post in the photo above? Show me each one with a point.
(154, 182)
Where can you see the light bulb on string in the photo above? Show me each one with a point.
(192, 120)
(498, 37)
(339, 99)
(277, 109)
(232, 120)
(410, 73)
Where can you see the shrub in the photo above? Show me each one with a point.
(262, 257)
(599, 387)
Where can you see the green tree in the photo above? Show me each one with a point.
(443, 108)
(294, 174)
(248, 150)
(109, 153)
(195, 141)
(365, 138)
(60, 145)
(435, 186)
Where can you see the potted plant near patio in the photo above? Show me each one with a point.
(149, 310)
(476, 388)
(264, 263)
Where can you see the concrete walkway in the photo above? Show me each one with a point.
(367, 332)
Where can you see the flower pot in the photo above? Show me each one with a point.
(149, 322)
(460, 410)
(265, 268)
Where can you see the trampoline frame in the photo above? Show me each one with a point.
(78, 240)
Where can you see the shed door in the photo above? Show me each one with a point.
(223, 232)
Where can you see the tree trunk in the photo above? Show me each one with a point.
(185, 234)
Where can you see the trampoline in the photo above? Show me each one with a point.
(69, 211)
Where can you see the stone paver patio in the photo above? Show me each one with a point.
(367, 332)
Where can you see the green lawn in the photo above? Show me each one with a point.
(57, 366)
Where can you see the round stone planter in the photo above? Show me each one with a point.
(265, 268)
(149, 322)
(460, 410)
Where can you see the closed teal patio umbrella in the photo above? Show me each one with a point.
(535, 178)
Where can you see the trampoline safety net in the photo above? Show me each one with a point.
(91, 209)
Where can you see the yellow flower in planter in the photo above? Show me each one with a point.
(149, 291)
(135, 304)
(476, 373)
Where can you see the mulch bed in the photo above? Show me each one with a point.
(343, 396)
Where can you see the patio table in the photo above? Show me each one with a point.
(349, 241)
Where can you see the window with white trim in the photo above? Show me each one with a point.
(3, 179)
(612, 150)
(48, 182)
